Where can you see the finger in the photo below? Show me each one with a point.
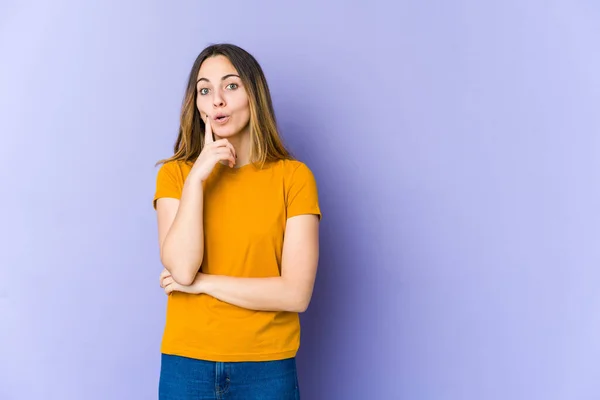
(224, 143)
(220, 143)
(171, 287)
(233, 157)
(208, 135)
(167, 281)
(232, 150)
(227, 144)
(224, 154)
(228, 148)
(165, 272)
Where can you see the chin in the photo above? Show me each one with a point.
(228, 131)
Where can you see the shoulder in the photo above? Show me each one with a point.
(169, 180)
(174, 165)
(296, 169)
(301, 193)
(172, 174)
(297, 175)
(293, 172)
(174, 170)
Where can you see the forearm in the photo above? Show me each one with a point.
(183, 247)
(261, 294)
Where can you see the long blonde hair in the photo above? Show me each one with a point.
(267, 144)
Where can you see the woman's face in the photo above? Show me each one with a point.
(221, 97)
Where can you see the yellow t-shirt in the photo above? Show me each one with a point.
(245, 213)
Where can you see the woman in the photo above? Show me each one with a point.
(238, 227)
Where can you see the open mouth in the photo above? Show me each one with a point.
(221, 118)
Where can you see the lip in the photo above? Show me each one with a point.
(220, 121)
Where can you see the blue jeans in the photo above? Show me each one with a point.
(184, 378)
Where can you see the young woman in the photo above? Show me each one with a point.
(238, 227)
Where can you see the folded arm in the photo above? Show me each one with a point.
(181, 232)
(291, 291)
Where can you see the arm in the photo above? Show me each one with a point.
(181, 222)
(291, 291)
(181, 232)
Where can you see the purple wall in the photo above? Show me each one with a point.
(457, 149)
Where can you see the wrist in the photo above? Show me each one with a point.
(202, 283)
(194, 176)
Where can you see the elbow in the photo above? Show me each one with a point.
(299, 305)
(183, 270)
(184, 278)
(184, 274)
(298, 297)
(301, 309)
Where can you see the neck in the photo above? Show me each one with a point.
(241, 143)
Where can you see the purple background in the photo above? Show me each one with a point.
(457, 150)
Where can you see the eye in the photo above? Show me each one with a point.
(203, 91)
(235, 86)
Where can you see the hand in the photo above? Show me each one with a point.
(169, 285)
(212, 153)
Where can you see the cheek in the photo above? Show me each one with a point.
(202, 102)
(243, 111)
(238, 102)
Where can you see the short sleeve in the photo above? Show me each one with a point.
(168, 182)
(302, 193)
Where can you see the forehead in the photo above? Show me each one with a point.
(213, 68)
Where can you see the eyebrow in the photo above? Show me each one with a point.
(222, 79)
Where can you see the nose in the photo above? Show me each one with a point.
(218, 100)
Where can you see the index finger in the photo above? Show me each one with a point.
(208, 135)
